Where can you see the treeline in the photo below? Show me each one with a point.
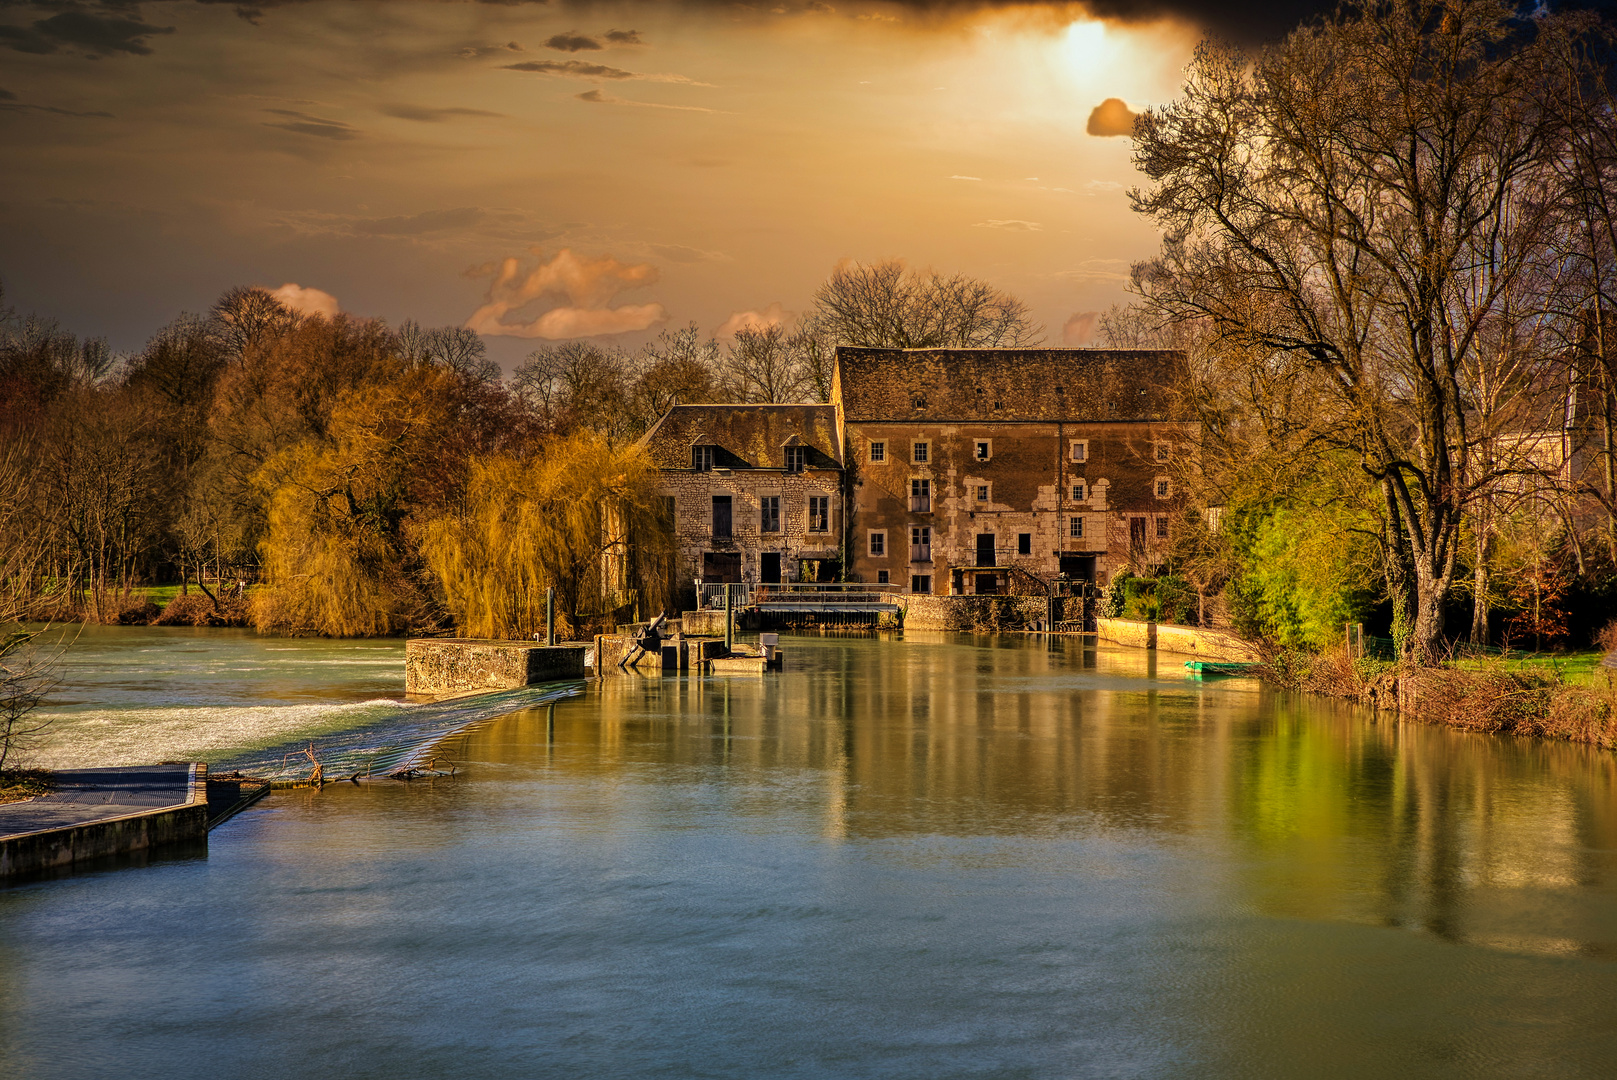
(352, 469)
(368, 480)
(1391, 253)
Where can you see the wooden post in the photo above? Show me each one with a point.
(729, 618)
(550, 616)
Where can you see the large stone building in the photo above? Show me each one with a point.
(936, 471)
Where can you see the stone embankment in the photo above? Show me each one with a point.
(1201, 643)
(439, 667)
(989, 614)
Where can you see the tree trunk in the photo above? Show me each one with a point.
(1481, 585)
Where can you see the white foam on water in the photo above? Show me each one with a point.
(93, 738)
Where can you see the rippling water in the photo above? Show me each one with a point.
(941, 857)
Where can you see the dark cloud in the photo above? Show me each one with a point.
(623, 37)
(7, 95)
(1111, 117)
(318, 127)
(476, 52)
(17, 106)
(595, 97)
(98, 35)
(430, 115)
(571, 67)
(573, 43)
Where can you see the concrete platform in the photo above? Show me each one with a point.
(94, 813)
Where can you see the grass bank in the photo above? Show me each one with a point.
(1569, 698)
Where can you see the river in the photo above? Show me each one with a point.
(942, 856)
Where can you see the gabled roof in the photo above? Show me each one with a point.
(752, 436)
(1029, 384)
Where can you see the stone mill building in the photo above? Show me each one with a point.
(945, 471)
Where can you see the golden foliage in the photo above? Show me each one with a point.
(583, 518)
(335, 555)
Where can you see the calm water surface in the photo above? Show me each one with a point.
(941, 857)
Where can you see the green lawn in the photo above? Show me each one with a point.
(1577, 668)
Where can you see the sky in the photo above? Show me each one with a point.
(547, 171)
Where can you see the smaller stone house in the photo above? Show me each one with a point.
(756, 491)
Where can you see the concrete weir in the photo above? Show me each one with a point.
(95, 813)
(441, 666)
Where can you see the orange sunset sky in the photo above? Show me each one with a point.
(541, 171)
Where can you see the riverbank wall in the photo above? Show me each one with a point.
(1199, 642)
(990, 614)
(110, 834)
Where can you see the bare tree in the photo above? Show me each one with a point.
(250, 318)
(887, 305)
(576, 385)
(1359, 211)
(761, 366)
(679, 366)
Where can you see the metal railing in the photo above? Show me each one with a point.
(746, 594)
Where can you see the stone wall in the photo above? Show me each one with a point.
(459, 665)
(975, 613)
(1194, 641)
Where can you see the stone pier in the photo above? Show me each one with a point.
(439, 666)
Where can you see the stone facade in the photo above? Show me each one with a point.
(756, 490)
(939, 471)
(967, 465)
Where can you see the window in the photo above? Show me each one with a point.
(1076, 527)
(878, 451)
(918, 453)
(1164, 451)
(982, 493)
(882, 578)
(1024, 543)
(769, 513)
(819, 513)
(921, 583)
(702, 458)
(999, 405)
(985, 449)
(921, 543)
(796, 458)
(1162, 528)
(920, 496)
(878, 543)
(918, 402)
(1077, 493)
(1164, 487)
(721, 515)
(1079, 450)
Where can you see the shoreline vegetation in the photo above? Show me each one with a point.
(1536, 695)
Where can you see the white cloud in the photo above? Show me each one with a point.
(309, 301)
(581, 289)
(773, 315)
(1079, 329)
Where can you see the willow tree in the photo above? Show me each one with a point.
(336, 553)
(583, 517)
(1363, 209)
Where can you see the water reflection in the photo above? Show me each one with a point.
(935, 858)
(1328, 811)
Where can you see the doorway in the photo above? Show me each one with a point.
(769, 567)
(985, 549)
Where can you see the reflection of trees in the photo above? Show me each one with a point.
(1299, 805)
